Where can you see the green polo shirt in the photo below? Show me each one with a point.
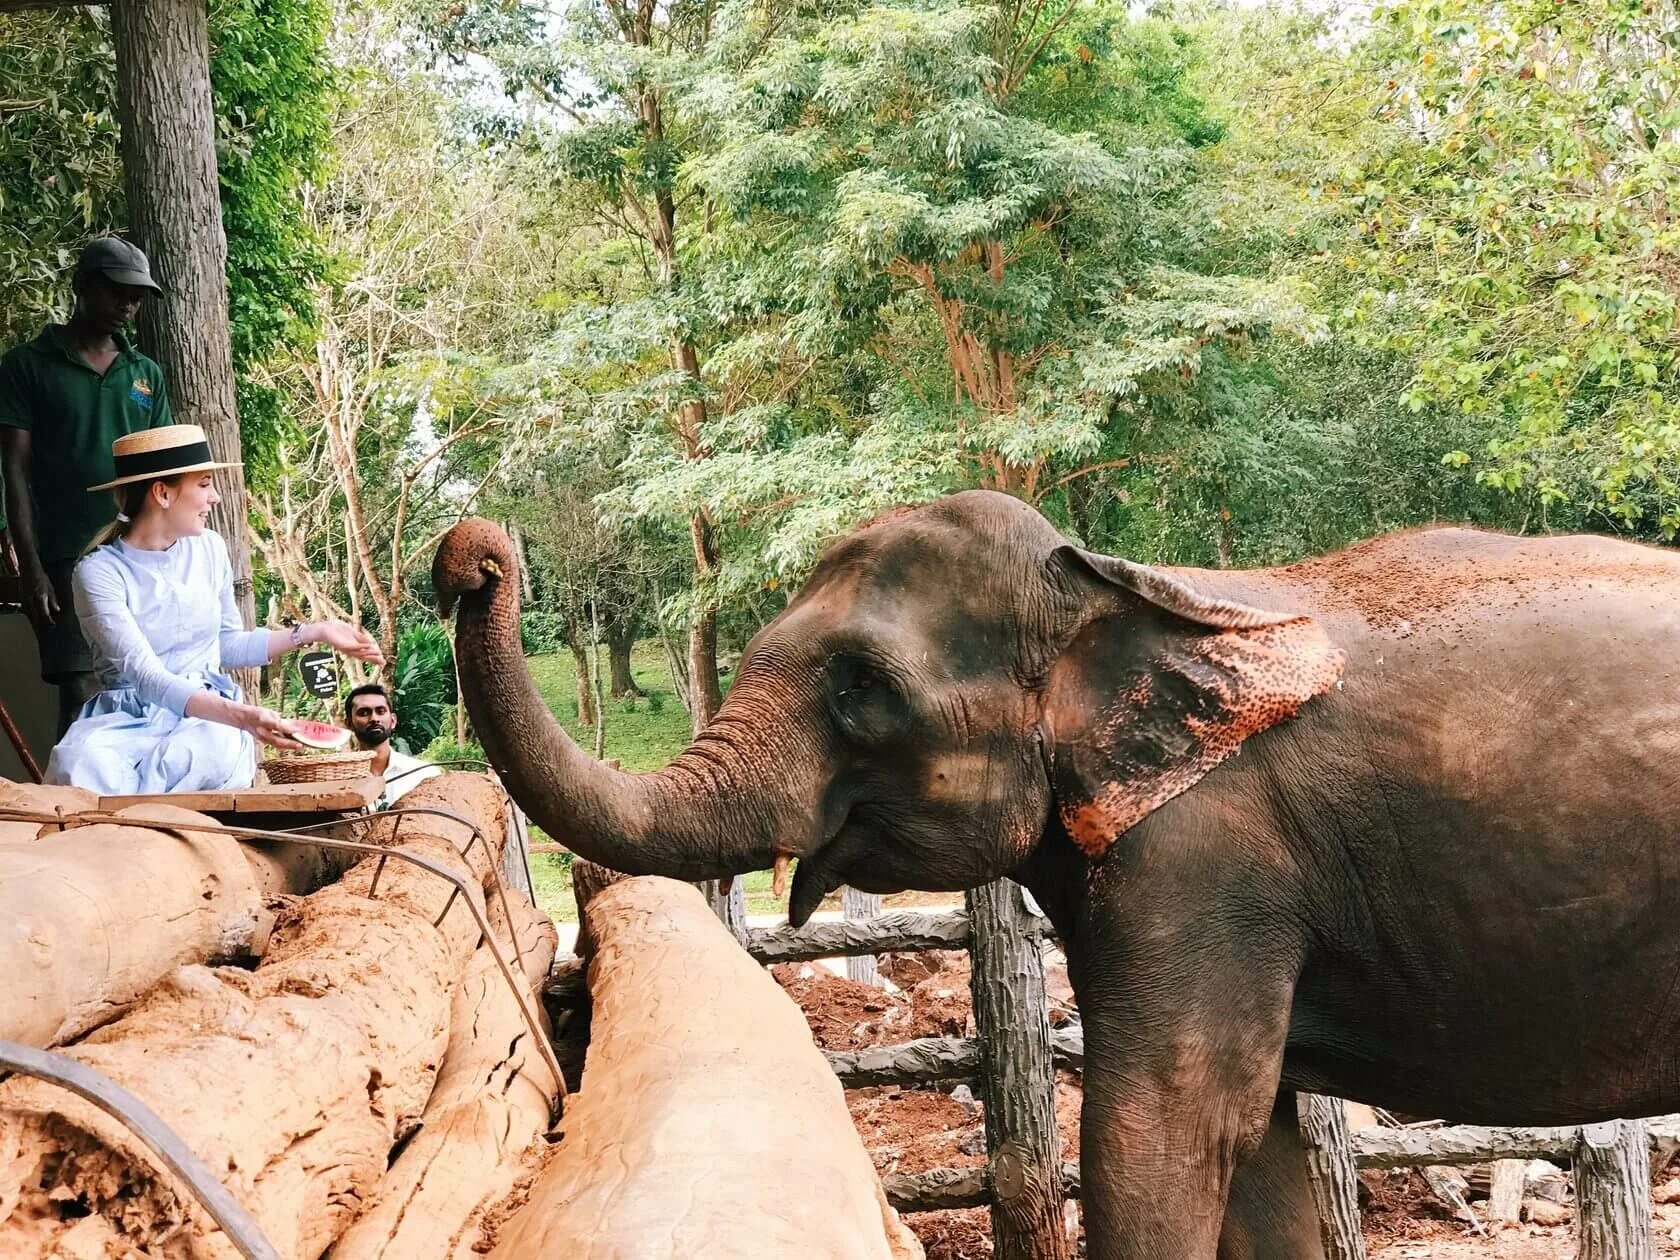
(73, 415)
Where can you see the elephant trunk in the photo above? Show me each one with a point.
(709, 814)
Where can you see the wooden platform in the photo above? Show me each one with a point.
(343, 796)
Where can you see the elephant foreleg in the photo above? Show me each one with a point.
(1184, 1035)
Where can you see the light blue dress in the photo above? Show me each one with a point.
(162, 625)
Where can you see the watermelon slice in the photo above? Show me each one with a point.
(322, 735)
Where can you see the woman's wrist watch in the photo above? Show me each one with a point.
(297, 634)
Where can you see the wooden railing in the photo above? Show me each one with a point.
(1610, 1162)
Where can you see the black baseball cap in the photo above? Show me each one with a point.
(118, 261)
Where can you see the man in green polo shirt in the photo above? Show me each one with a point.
(64, 398)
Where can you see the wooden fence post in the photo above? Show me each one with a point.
(1016, 1077)
(1330, 1172)
(729, 906)
(1505, 1196)
(859, 907)
(1613, 1192)
(516, 856)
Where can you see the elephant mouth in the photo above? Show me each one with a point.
(824, 869)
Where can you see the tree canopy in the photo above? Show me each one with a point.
(683, 290)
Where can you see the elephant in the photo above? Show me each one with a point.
(1394, 824)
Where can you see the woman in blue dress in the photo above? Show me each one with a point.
(154, 594)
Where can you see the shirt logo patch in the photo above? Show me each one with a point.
(141, 393)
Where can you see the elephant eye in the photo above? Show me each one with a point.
(867, 703)
(852, 678)
(859, 685)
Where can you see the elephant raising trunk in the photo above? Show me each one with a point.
(714, 811)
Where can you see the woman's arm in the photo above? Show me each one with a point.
(264, 724)
(340, 636)
(240, 648)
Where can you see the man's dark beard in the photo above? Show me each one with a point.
(372, 736)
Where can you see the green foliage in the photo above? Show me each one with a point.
(61, 180)
(423, 683)
(274, 91)
(542, 630)
(1517, 239)
(444, 749)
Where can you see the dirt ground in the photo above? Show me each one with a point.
(913, 1130)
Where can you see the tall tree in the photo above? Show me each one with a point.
(612, 75)
(1000, 180)
(169, 172)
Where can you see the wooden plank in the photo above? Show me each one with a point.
(730, 905)
(861, 907)
(942, 1189)
(516, 858)
(340, 796)
(1017, 1083)
(1330, 1172)
(930, 1059)
(1475, 1144)
(1613, 1192)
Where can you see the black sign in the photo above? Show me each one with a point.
(320, 674)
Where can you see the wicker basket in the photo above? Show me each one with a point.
(319, 767)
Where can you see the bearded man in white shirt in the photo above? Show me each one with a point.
(372, 718)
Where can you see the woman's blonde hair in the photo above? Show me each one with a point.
(130, 500)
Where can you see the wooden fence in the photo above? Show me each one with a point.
(1015, 1051)
(1610, 1162)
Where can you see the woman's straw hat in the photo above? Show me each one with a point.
(167, 452)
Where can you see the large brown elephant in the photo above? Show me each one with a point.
(1397, 824)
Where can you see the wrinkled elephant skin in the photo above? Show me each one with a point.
(1396, 824)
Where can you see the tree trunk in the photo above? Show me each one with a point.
(83, 937)
(588, 880)
(175, 215)
(1330, 1172)
(493, 1099)
(705, 696)
(297, 1078)
(585, 679)
(620, 640)
(40, 799)
(675, 663)
(1613, 1192)
(1017, 1081)
(599, 690)
(741, 1146)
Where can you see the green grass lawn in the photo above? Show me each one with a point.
(643, 734)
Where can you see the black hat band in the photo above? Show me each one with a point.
(168, 459)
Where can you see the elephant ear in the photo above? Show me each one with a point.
(1158, 684)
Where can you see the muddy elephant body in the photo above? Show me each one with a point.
(1397, 824)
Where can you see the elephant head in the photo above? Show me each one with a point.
(953, 680)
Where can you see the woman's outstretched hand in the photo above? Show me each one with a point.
(349, 640)
(268, 727)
